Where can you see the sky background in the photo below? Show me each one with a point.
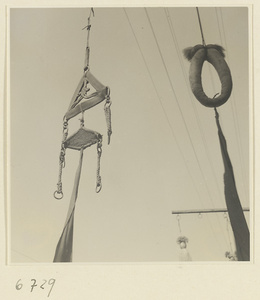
(164, 153)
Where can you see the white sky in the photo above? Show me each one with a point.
(164, 153)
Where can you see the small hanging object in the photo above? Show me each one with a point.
(80, 140)
(214, 54)
(184, 254)
(182, 241)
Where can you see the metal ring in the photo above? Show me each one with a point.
(58, 193)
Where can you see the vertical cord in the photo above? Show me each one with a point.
(179, 224)
(87, 47)
(201, 31)
(85, 88)
(227, 223)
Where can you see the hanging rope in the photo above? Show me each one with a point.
(178, 220)
(87, 47)
(201, 30)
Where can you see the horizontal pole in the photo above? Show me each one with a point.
(203, 211)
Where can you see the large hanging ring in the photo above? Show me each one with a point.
(214, 54)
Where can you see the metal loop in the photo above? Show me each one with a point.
(99, 150)
(65, 119)
(62, 156)
(56, 193)
(108, 104)
(65, 124)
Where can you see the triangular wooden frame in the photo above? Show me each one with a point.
(76, 106)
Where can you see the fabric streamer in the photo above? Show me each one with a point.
(64, 248)
(235, 211)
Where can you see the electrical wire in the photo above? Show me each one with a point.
(175, 41)
(20, 253)
(179, 107)
(158, 96)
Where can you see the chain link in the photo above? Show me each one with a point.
(58, 194)
(99, 152)
(108, 117)
(87, 47)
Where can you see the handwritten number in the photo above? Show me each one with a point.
(43, 284)
(18, 285)
(51, 282)
(33, 285)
